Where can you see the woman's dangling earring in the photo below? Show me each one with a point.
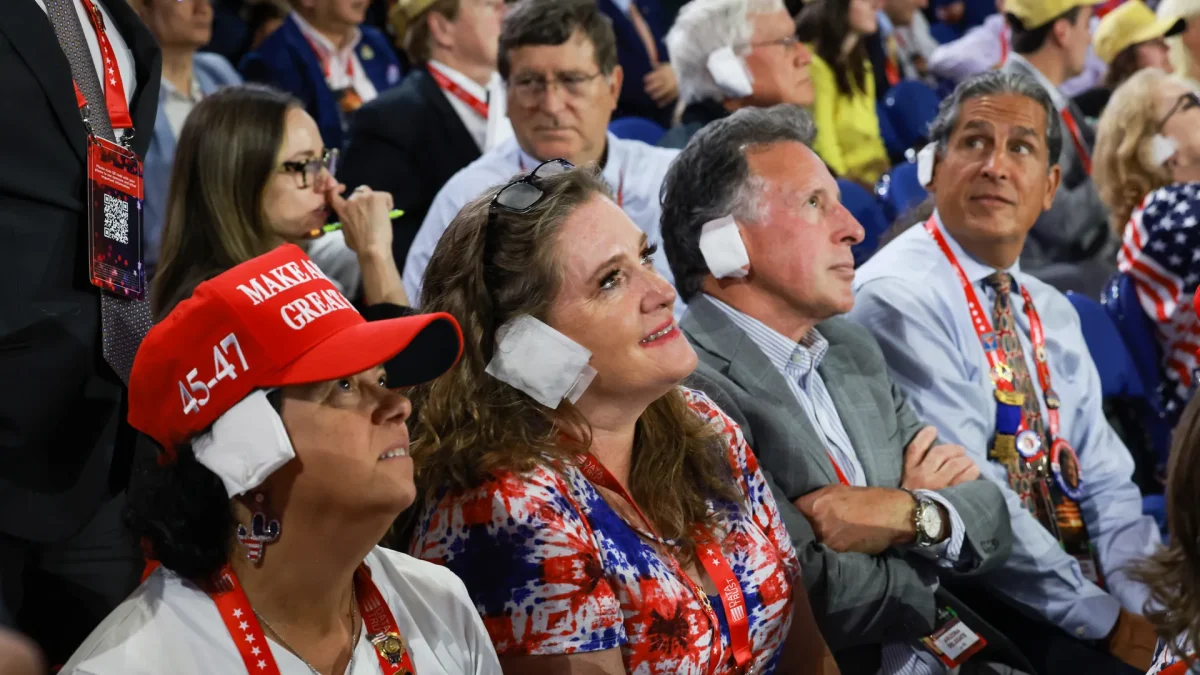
(263, 530)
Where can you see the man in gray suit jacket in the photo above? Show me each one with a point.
(875, 508)
(1071, 245)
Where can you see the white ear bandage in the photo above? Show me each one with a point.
(245, 445)
(926, 159)
(1162, 149)
(723, 249)
(730, 73)
(540, 361)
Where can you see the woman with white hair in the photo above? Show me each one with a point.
(1147, 169)
(731, 54)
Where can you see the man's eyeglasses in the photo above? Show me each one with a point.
(310, 170)
(532, 87)
(1185, 102)
(523, 194)
(785, 42)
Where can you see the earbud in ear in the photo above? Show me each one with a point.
(1162, 149)
(926, 159)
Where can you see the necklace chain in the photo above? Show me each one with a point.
(353, 639)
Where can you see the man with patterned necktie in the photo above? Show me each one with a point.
(65, 347)
(996, 360)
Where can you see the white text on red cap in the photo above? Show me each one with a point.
(280, 279)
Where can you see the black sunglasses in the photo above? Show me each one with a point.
(523, 194)
(1186, 101)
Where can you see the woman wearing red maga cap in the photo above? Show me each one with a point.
(285, 459)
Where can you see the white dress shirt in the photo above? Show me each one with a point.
(169, 625)
(120, 48)
(633, 169)
(338, 61)
(476, 124)
(910, 299)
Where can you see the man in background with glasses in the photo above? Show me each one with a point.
(559, 60)
(732, 54)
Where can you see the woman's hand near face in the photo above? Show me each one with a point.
(367, 226)
(365, 220)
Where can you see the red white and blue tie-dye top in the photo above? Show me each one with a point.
(553, 569)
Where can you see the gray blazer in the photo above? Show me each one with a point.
(1076, 226)
(857, 599)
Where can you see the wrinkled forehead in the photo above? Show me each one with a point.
(789, 171)
(1004, 114)
(577, 54)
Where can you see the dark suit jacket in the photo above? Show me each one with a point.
(61, 407)
(860, 601)
(286, 60)
(635, 60)
(408, 142)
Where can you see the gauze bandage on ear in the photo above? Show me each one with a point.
(1162, 149)
(245, 445)
(730, 73)
(540, 361)
(926, 158)
(723, 249)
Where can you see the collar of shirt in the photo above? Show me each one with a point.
(976, 271)
(1060, 101)
(192, 96)
(470, 86)
(782, 351)
(614, 164)
(324, 46)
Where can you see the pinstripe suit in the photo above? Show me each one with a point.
(859, 600)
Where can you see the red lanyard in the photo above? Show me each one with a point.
(1073, 127)
(114, 88)
(1003, 46)
(620, 182)
(452, 87)
(728, 588)
(983, 328)
(891, 68)
(243, 625)
(838, 470)
(324, 60)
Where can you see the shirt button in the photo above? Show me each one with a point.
(797, 358)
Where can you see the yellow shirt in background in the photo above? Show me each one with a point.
(848, 138)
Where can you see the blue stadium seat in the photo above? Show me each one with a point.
(899, 190)
(1120, 301)
(944, 33)
(637, 129)
(910, 107)
(866, 210)
(1118, 374)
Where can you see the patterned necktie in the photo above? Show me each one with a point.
(123, 322)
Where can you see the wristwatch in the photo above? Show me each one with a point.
(927, 520)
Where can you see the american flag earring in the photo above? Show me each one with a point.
(262, 531)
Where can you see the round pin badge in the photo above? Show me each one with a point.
(1029, 444)
(1067, 472)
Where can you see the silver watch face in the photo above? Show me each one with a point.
(931, 521)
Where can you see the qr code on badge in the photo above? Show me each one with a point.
(116, 219)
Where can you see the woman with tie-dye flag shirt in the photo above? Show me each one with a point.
(623, 529)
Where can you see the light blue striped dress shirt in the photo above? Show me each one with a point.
(908, 296)
(798, 363)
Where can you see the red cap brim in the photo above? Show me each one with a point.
(416, 349)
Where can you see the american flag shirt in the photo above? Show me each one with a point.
(553, 569)
(1161, 252)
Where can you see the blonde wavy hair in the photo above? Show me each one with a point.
(486, 271)
(1122, 166)
(1173, 573)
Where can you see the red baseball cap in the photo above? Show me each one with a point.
(273, 321)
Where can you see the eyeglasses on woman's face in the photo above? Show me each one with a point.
(314, 172)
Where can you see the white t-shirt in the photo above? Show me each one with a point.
(168, 625)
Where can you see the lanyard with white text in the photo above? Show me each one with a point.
(451, 87)
(243, 626)
(114, 87)
(728, 589)
(1001, 372)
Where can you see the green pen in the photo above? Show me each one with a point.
(334, 227)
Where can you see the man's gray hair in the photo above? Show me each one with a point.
(701, 28)
(711, 179)
(996, 83)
